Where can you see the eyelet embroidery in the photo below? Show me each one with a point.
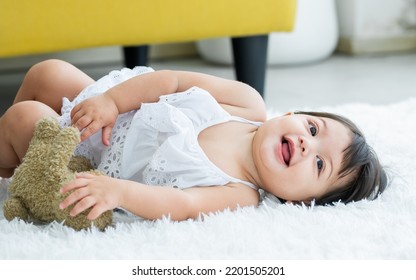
(154, 173)
(110, 159)
(112, 156)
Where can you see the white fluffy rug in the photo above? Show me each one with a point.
(381, 229)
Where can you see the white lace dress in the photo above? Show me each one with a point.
(158, 144)
(106, 159)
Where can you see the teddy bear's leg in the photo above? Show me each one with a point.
(14, 208)
(46, 129)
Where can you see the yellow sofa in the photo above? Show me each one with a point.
(40, 26)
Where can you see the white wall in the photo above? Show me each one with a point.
(376, 25)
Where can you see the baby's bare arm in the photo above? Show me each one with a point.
(237, 98)
(153, 202)
(149, 87)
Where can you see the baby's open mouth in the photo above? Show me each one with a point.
(286, 151)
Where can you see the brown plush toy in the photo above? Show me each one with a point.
(46, 167)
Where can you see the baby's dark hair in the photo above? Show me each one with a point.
(368, 179)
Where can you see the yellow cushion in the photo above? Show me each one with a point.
(30, 27)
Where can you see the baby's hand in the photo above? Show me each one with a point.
(100, 193)
(93, 114)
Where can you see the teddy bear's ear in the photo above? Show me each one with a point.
(46, 129)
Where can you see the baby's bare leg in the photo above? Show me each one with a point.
(16, 131)
(51, 80)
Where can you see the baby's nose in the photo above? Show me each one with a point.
(304, 145)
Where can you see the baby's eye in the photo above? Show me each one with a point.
(313, 129)
(319, 163)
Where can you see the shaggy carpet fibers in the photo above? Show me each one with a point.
(380, 229)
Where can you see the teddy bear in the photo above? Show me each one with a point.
(49, 163)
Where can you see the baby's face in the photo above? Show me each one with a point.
(298, 157)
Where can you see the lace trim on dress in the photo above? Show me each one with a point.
(155, 175)
(112, 156)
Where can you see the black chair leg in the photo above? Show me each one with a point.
(250, 59)
(136, 56)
